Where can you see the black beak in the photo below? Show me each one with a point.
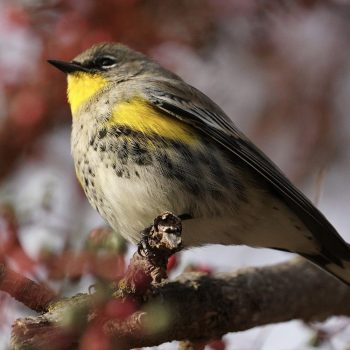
(67, 67)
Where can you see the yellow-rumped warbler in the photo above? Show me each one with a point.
(145, 142)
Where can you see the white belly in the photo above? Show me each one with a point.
(130, 196)
(131, 204)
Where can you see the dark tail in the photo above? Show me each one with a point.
(338, 267)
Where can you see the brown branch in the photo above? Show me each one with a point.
(32, 294)
(207, 307)
(198, 306)
(149, 310)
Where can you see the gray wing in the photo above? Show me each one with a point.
(186, 103)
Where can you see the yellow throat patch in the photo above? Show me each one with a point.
(82, 86)
(140, 116)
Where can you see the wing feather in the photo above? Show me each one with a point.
(193, 107)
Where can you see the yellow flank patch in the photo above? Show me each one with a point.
(140, 116)
(82, 86)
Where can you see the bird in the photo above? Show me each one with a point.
(145, 142)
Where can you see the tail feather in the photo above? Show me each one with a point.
(334, 255)
(338, 268)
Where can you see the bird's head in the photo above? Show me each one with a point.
(97, 67)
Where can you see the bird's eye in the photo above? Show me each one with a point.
(105, 62)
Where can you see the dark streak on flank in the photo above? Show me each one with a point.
(123, 152)
(139, 154)
(194, 188)
(91, 172)
(177, 173)
(102, 133)
(123, 172)
(120, 130)
(92, 140)
(217, 194)
(166, 165)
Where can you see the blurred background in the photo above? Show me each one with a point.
(280, 69)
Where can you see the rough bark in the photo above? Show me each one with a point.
(200, 306)
(150, 310)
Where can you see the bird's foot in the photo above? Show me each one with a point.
(164, 235)
(143, 247)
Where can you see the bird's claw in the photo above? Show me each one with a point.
(143, 247)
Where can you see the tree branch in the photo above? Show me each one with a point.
(198, 306)
(32, 294)
(145, 309)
